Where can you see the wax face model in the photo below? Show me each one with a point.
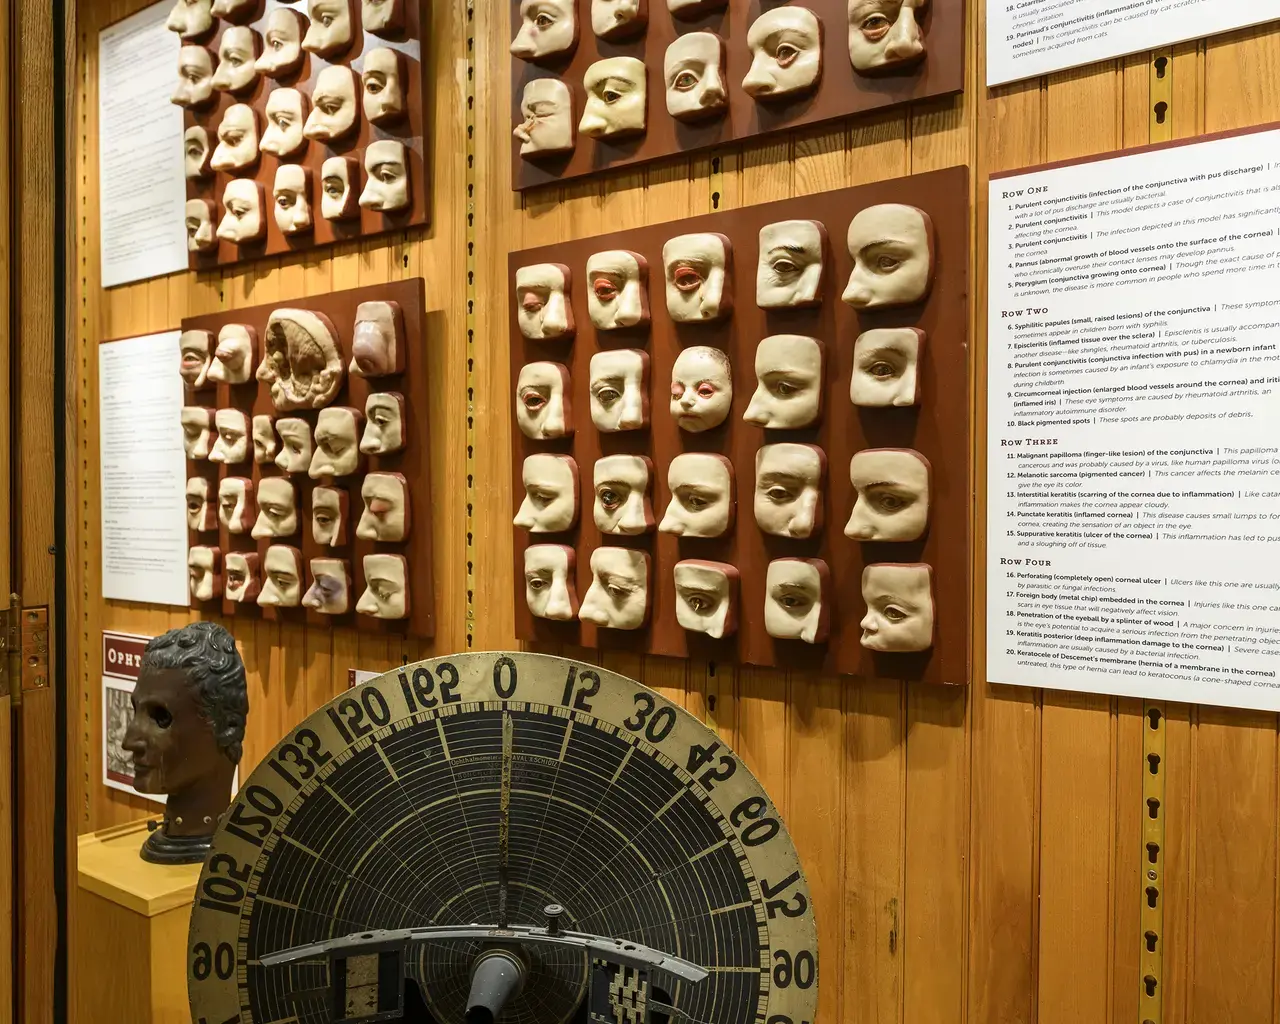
(620, 390)
(383, 86)
(377, 346)
(546, 107)
(618, 597)
(548, 28)
(549, 587)
(282, 43)
(195, 152)
(242, 584)
(338, 200)
(543, 410)
(893, 495)
(201, 515)
(277, 508)
(543, 310)
(892, 250)
(693, 70)
(701, 388)
(190, 18)
(693, 8)
(550, 494)
(333, 104)
(232, 445)
(199, 224)
(204, 573)
(886, 367)
(243, 221)
(197, 431)
(236, 508)
(786, 54)
(386, 162)
(706, 597)
(291, 199)
(264, 440)
(384, 428)
(622, 495)
(386, 594)
(194, 348)
(788, 394)
(237, 55)
(616, 98)
(900, 610)
(237, 147)
(619, 19)
(234, 10)
(788, 496)
(790, 270)
(796, 602)
(233, 358)
(329, 516)
(282, 577)
(195, 78)
(885, 35)
(329, 33)
(617, 289)
(301, 363)
(702, 502)
(386, 508)
(337, 443)
(697, 271)
(382, 16)
(330, 590)
(286, 114)
(295, 448)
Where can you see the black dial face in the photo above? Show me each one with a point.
(479, 789)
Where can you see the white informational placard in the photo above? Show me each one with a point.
(1133, 475)
(141, 184)
(1026, 38)
(144, 470)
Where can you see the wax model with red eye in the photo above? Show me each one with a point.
(886, 367)
(197, 431)
(790, 270)
(618, 597)
(546, 122)
(900, 608)
(617, 289)
(622, 485)
(892, 486)
(233, 358)
(330, 590)
(329, 516)
(620, 390)
(204, 573)
(196, 351)
(386, 508)
(702, 498)
(892, 248)
(698, 269)
(786, 54)
(201, 514)
(788, 392)
(550, 502)
(543, 309)
(282, 577)
(885, 35)
(386, 592)
(797, 603)
(706, 597)
(701, 388)
(543, 409)
(548, 29)
(243, 582)
(549, 588)
(237, 508)
(788, 492)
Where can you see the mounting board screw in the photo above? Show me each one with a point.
(554, 912)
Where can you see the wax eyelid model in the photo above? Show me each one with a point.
(701, 389)
(886, 368)
(286, 112)
(617, 99)
(378, 342)
(543, 309)
(549, 584)
(330, 31)
(197, 429)
(195, 78)
(900, 608)
(788, 489)
(199, 224)
(620, 390)
(893, 488)
(333, 105)
(282, 577)
(885, 36)
(238, 51)
(706, 597)
(277, 508)
(296, 448)
(384, 432)
(698, 270)
(291, 200)
(788, 395)
(195, 350)
(384, 86)
(618, 597)
(694, 73)
(338, 200)
(386, 508)
(236, 508)
(550, 502)
(797, 604)
(242, 583)
(786, 54)
(547, 125)
(196, 152)
(548, 29)
(242, 220)
(191, 19)
(329, 511)
(237, 148)
(232, 445)
(616, 20)
(264, 440)
(386, 163)
(201, 515)
(791, 268)
(386, 594)
(892, 246)
(543, 407)
(233, 359)
(330, 590)
(282, 52)
(204, 573)
(702, 496)
(383, 17)
(622, 485)
(617, 289)
(337, 443)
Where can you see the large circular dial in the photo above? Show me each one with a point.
(480, 790)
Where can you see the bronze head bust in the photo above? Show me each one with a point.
(189, 709)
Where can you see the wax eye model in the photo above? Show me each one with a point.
(329, 33)
(549, 586)
(195, 78)
(382, 16)
(236, 508)
(190, 18)
(282, 577)
(797, 605)
(702, 500)
(786, 54)
(386, 593)
(384, 428)
(196, 152)
(892, 250)
(701, 388)
(282, 43)
(195, 349)
(620, 390)
(546, 111)
(384, 81)
(618, 597)
(543, 310)
(329, 516)
(550, 494)
(543, 409)
(264, 440)
(377, 345)
(900, 610)
(233, 358)
(788, 394)
(706, 597)
(622, 485)
(885, 35)
(892, 485)
(286, 114)
(790, 272)
(296, 448)
(242, 220)
(197, 431)
(232, 445)
(199, 225)
(237, 147)
(886, 367)
(242, 582)
(201, 515)
(333, 104)
(238, 51)
(338, 200)
(694, 8)
(301, 362)
(617, 289)
(548, 29)
(291, 199)
(615, 20)
(386, 508)
(330, 590)
(204, 573)
(616, 98)
(386, 190)
(693, 70)
(698, 269)
(277, 508)
(337, 440)
(234, 11)
(788, 495)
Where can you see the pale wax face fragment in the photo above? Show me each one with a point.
(886, 368)
(190, 18)
(900, 608)
(384, 431)
(697, 275)
(337, 198)
(199, 224)
(386, 163)
(542, 402)
(277, 508)
(885, 35)
(386, 508)
(242, 220)
(702, 500)
(547, 125)
(195, 77)
(286, 115)
(291, 197)
(786, 53)
(201, 515)
(236, 506)
(296, 448)
(788, 394)
(618, 19)
(543, 311)
(795, 604)
(892, 250)
(232, 445)
(329, 516)
(301, 363)
(548, 28)
(620, 390)
(617, 289)
(549, 586)
(197, 431)
(790, 269)
(622, 484)
(196, 352)
(282, 43)
(237, 56)
(330, 590)
(706, 597)
(693, 70)
(282, 582)
(383, 82)
(196, 152)
(242, 584)
(204, 573)
(386, 594)
(233, 358)
(237, 147)
(616, 98)
(893, 497)
(618, 597)
(382, 16)
(329, 32)
(333, 104)
(337, 443)
(264, 440)
(550, 502)
(701, 388)
(788, 491)
(377, 346)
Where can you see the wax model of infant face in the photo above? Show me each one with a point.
(706, 597)
(620, 390)
(296, 448)
(233, 358)
(291, 197)
(618, 597)
(386, 508)
(384, 430)
(236, 507)
(697, 269)
(702, 499)
(377, 345)
(786, 54)
(549, 587)
(242, 582)
(277, 508)
(282, 577)
(195, 78)
(788, 494)
(622, 485)
(330, 590)
(237, 55)
(195, 349)
(616, 98)
(237, 147)
(547, 125)
(386, 190)
(892, 250)
(550, 502)
(788, 394)
(282, 44)
(790, 271)
(886, 366)
(201, 515)
(196, 152)
(333, 104)
(382, 16)
(300, 361)
(548, 29)
(199, 224)
(204, 573)
(893, 495)
(330, 32)
(693, 69)
(386, 594)
(264, 439)
(232, 445)
(885, 35)
(617, 289)
(384, 84)
(796, 602)
(286, 114)
(701, 388)
(190, 18)
(329, 516)
(242, 222)
(337, 443)
(900, 610)
(338, 200)
(543, 310)
(542, 401)
(197, 431)
(614, 20)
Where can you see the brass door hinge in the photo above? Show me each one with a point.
(35, 648)
(10, 652)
